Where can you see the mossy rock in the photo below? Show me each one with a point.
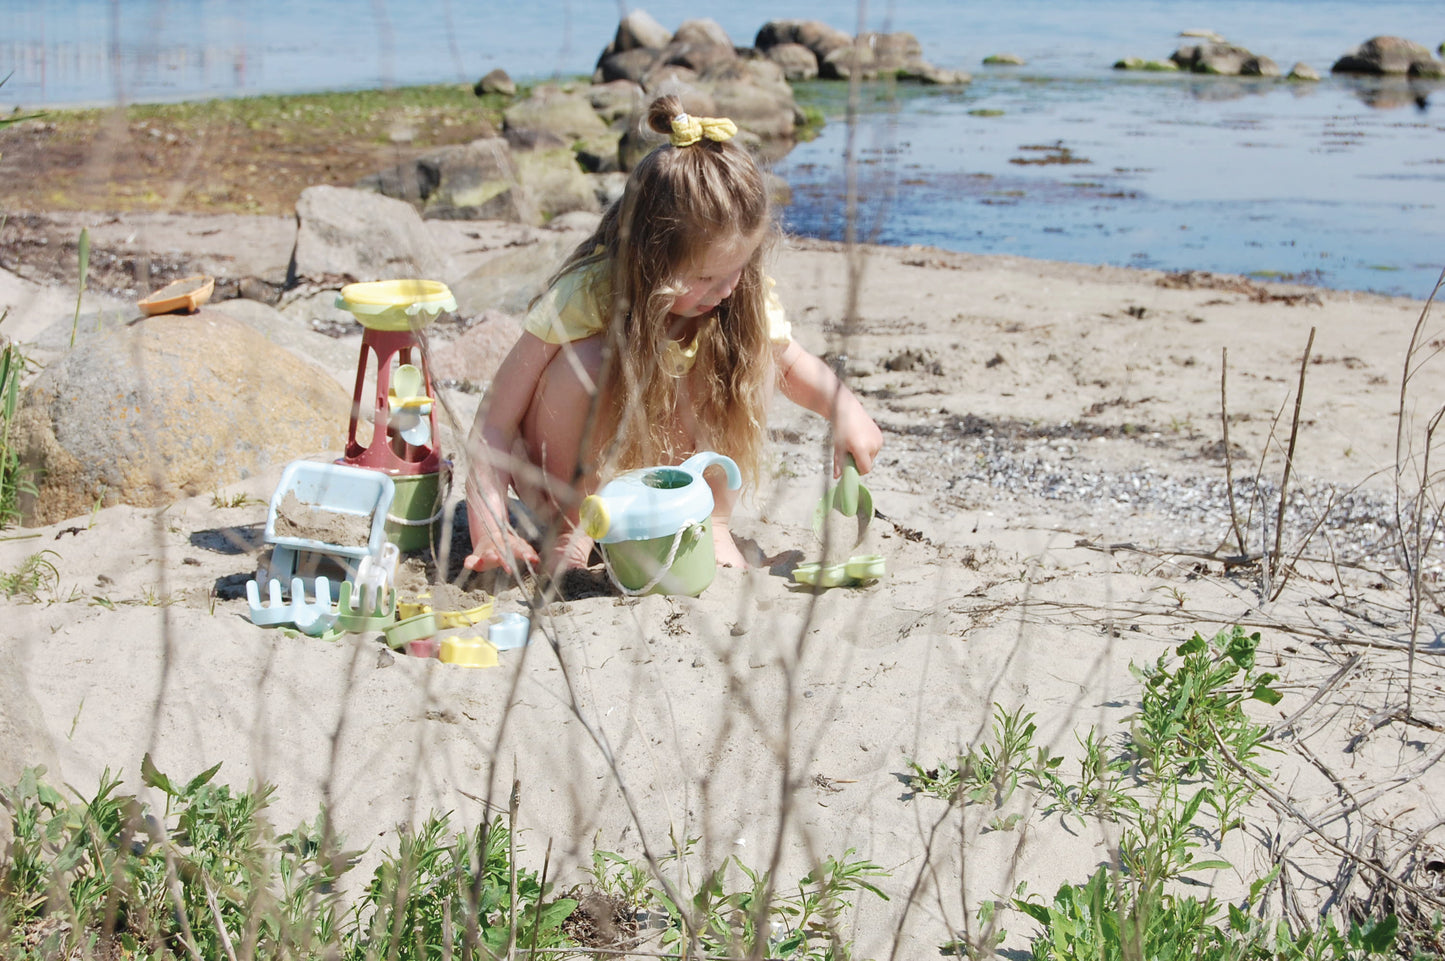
(1139, 63)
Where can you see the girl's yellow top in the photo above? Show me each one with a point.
(574, 309)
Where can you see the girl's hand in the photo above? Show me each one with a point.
(494, 544)
(514, 552)
(854, 434)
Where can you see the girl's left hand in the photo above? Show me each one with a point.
(855, 433)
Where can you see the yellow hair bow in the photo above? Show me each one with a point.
(687, 131)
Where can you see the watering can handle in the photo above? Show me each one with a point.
(701, 461)
(847, 490)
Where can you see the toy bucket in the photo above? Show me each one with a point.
(636, 564)
(414, 521)
(655, 526)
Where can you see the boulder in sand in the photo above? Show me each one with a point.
(474, 356)
(169, 407)
(357, 235)
(473, 181)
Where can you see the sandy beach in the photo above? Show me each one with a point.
(1052, 506)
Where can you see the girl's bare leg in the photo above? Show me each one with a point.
(724, 501)
(555, 430)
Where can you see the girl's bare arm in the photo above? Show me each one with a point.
(490, 447)
(808, 382)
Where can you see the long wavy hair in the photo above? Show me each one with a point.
(678, 202)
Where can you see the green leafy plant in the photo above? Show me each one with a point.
(456, 896)
(203, 878)
(235, 500)
(84, 251)
(1186, 707)
(993, 768)
(36, 574)
(15, 480)
(757, 920)
(719, 917)
(1177, 784)
(1097, 920)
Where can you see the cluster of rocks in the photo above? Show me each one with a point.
(568, 147)
(1379, 56)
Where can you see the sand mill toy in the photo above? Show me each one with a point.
(402, 443)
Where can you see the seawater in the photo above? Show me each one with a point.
(1337, 183)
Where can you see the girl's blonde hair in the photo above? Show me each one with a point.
(678, 203)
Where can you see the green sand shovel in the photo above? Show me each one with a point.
(849, 498)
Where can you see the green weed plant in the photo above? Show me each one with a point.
(746, 917)
(36, 575)
(1176, 785)
(207, 877)
(15, 480)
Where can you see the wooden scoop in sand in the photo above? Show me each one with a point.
(849, 498)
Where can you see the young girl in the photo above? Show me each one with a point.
(657, 338)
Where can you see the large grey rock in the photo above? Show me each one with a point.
(1428, 69)
(496, 81)
(598, 155)
(336, 355)
(630, 65)
(816, 35)
(1215, 58)
(893, 51)
(844, 62)
(1259, 67)
(556, 182)
(473, 181)
(170, 407)
(616, 100)
(797, 61)
(551, 109)
(351, 235)
(1380, 56)
(508, 282)
(474, 356)
(755, 96)
(639, 29)
(699, 45)
(929, 75)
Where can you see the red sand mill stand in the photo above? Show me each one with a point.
(403, 421)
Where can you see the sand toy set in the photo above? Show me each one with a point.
(337, 530)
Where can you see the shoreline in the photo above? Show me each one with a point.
(253, 155)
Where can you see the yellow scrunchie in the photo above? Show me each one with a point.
(687, 131)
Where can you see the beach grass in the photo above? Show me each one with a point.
(243, 155)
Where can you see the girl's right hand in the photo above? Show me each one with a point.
(513, 552)
(494, 544)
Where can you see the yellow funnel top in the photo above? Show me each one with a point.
(396, 304)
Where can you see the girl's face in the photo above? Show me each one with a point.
(711, 278)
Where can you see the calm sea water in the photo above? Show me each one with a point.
(1337, 183)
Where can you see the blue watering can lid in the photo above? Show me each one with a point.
(654, 501)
